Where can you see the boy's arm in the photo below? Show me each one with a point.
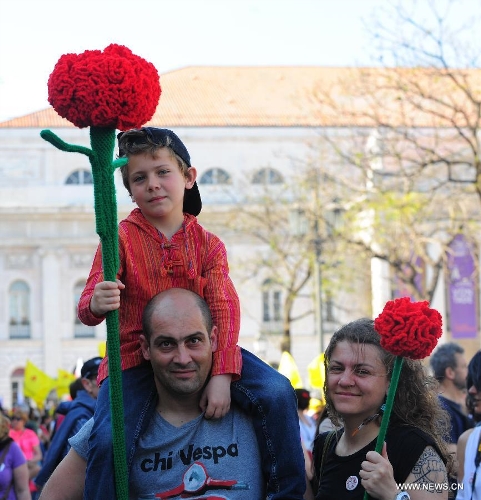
(96, 275)
(223, 301)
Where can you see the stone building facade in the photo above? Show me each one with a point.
(47, 226)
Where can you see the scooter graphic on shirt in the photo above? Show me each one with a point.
(196, 480)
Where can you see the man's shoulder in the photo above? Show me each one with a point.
(79, 442)
(83, 400)
(449, 405)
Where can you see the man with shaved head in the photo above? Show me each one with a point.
(180, 452)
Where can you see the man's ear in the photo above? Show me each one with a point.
(449, 373)
(144, 345)
(86, 384)
(213, 338)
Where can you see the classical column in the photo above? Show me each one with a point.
(50, 313)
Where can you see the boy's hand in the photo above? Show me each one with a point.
(215, 399)
(106, 297)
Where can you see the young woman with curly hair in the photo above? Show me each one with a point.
(358, 372)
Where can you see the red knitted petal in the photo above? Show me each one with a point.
(113, 88)
(409, 329)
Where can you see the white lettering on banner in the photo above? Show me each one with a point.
(463, 295)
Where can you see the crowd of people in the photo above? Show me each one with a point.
(213, 418)
(432, 438)
(34, 442)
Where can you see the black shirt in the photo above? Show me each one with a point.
(459, 421)
(340, 475)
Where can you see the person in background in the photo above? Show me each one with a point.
(33, 419)
(307, 423)
(450, 369)
(81, 410)
(358, 374)
(13, 466)
(324, 423)
(29, 443)
(469, 443)
(44, 431)
(64, 406)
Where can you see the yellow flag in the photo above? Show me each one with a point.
(316, 372)
(64, 379)
(37, 384)
(288, 367)
(102, 346)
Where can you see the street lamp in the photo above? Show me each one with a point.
(302, 225)
(332, 221)
(318, 286)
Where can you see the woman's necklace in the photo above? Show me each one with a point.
(369, 419)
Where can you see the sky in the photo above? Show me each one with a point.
(174, 34)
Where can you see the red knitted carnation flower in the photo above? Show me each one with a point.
(409, 329)
(114, 88)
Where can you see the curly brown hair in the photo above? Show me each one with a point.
(416, 401)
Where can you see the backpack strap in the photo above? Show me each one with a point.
(5, 451)
(320, 452)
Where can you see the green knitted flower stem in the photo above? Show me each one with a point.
(102, 141)
(396, 372)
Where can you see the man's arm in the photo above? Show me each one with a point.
(67, 480)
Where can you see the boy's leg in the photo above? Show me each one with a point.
(270, 398)
(138, 395)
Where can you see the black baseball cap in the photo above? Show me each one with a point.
(192, 201)
(90, 368)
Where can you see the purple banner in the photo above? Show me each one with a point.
(462, 289)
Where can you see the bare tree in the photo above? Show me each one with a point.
(408, 158)
(401, 166)
(297, 249)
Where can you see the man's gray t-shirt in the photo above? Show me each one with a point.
(202, 459)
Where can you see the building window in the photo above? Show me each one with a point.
(79, 177)
(271, 303)
(267, 176)
(19, 298)
(16, 385)
(215, 176)
(80, 330)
